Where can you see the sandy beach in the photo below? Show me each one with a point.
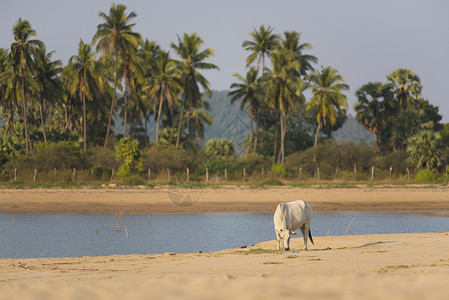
(393, 266)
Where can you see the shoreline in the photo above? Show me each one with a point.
(196, 200)
(378, 266)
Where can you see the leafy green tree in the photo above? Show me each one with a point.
(83, 72)
(424, 149)
(283, 90)
(219, 148)
(327, 87)
(21, 55)
(192, 60)
(115, 36)
(49, 82)
(164, 85)
(372, 108)
(292, 43)
(127, 152)
(262, 42)
(406, 86)
(248, 91)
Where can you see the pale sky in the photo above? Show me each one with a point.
(363, 40)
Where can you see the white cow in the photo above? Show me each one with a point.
(289, 217)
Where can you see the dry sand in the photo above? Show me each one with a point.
(163, 200)
(395, 266)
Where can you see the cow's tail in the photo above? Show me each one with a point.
(310, 237)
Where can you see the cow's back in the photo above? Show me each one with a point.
(299, 212)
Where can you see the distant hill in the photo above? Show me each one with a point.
(229, 120)
(353, 131)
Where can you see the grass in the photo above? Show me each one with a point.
(398, 267)
(261, 251)
(315, 259)
(273, 263)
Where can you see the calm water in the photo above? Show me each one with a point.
(28, 236)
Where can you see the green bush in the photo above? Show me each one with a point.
(425, 176)
(175, 160)
(132, 180)
(279, 171)
(101, 172)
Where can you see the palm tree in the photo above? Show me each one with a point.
(261, 44)
(23, 49)
(115, 36)
(192, 60)
(83, 72)
(249, 93)
(50, 84)
(291, 42)
(406, 85)
(370, 107)
(327, 87)
(424, 149)
(163, 85)
(283, 90)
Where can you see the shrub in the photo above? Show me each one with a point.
(175, 160)
(101, 172)
(272, 182)
(279, 171)
(425, 176)
(132, 180)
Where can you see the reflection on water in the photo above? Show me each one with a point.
(27, 236)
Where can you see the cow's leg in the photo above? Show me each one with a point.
(278, 238)
(305, 234)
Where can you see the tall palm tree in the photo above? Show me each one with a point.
(83, 71)
(49, 81)
(164, 85)
(283, 90)
(370, 107)
(327, 87)
(115, 36)
(248, 91)
(262, 42)
(192, 60)
(292, 42)
(406, 85)
(23, 49)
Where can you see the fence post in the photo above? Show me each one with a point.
(54, 174)
(336, 173)
(408, 174)
(300, 172)
(112, 174)
(391, 169)
(73, 175)
(188, 175)
(149, 174)
(15, 174)
(35, 173)
(226, 174)
(372, 173)
(263, 171)
(355, 171)
(318, 173)
(244, 174)
(168, 174)
(207, 175)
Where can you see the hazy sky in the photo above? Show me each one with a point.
(363, 40)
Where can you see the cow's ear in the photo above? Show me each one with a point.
(294, 233)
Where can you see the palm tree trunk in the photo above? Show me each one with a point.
(255, 139)
(24, 110)
(316, 141)
(275, 141)
(113, 101)
(281, 150)
(250, 136)
(124, 117)
(84, 122)
(41, 103)
(158, 120)
(180, 120)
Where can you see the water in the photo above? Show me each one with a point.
(31, 236)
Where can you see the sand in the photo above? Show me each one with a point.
(163, 200)
(393, 266)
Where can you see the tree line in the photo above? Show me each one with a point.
(120, 76)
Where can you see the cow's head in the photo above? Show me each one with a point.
(284, 235)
